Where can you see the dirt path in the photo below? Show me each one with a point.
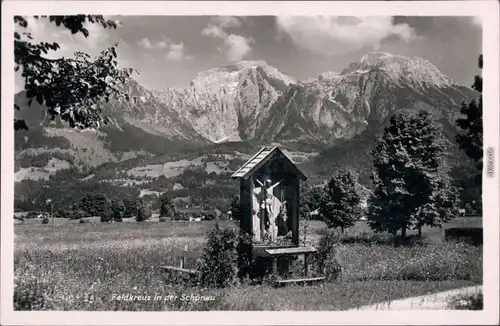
(436, 301)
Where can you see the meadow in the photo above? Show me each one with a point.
(72, 266)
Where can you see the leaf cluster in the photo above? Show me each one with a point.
(74, 89)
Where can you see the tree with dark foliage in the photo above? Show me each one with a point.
(118, 209)
(470, 139)
(73, 89)
(96, 205)
(341, 204)
(412, 186)
(143, 211)
(166, 206)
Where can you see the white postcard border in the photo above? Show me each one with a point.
(486, 10)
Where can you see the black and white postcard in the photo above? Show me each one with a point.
(253, 162)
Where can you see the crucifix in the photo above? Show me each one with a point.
(267, 204)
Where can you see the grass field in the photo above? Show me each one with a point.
(71, 266)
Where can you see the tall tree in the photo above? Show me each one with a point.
(166, 206)
(143, 211)
(118, 209)
(412, 187)
(96, 205)
(470, 137)
(341, 204)
(73, 89)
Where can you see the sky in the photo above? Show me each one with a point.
(170, 50)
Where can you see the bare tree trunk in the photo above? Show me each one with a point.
(419, 230)
(403, 231)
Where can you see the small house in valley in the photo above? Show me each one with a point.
(195, 213)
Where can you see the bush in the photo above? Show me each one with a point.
(106, 219)
(77, 214)
(326, 260)
(45, 220)
(82, 221)
(218, 265)
(332, 268)
(163, 219)
(244, 248)
(471, 235)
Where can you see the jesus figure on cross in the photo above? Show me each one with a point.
(267, 203)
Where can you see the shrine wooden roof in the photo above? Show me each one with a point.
(259, 159)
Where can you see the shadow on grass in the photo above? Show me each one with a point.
(371, 239)
(472, 236)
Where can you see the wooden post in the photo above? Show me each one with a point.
(183, 257)
(249, 225)
(263, 196)
(294, 209)
(306, 266)
(246, 206)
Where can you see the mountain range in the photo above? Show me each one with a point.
(247, 104)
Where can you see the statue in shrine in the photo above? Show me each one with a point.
(268, 206)
(270, 214)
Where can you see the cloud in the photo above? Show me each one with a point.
(147, 44)
(177, 53)
(234, 47)
(61, 34)
(226, 21)
(148, 56)
(214, 31)
(341, 35)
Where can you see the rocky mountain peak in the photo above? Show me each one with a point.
(254, 101)
(413, 70)
(227, 102)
